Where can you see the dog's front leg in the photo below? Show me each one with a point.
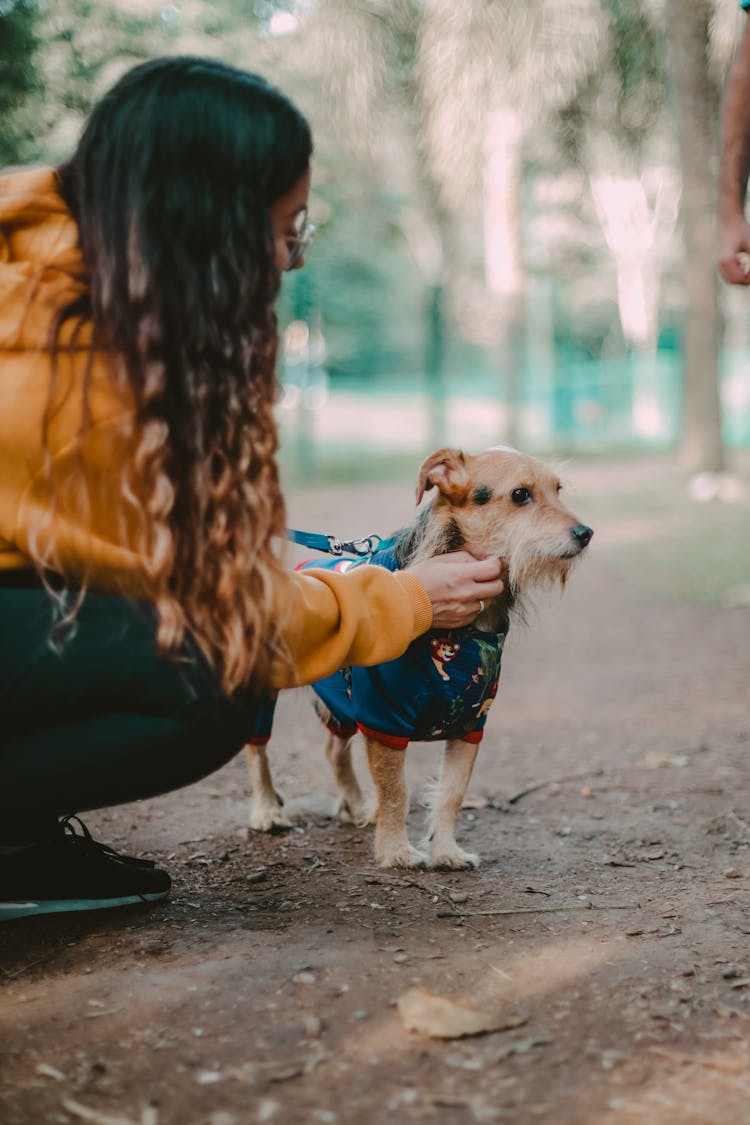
(392, 847)
(266, 804)
(352, 804)
(443, 851)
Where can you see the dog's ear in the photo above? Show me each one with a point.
(445, 470)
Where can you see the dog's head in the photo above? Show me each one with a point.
(504, 503)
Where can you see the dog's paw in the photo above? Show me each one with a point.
(455, 858)
(269, 817)
(359, 812)
(404, 856)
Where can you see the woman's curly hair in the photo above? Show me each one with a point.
(171, 186)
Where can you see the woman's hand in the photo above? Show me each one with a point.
(734, 250)
(459, 586)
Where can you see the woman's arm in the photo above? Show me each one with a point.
(734, 168)
(370, 614)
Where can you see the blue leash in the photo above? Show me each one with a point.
(363, 548)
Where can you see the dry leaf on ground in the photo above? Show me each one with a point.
(443, 1018)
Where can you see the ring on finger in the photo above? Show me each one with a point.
(481, 605)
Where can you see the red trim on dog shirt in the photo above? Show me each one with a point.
(392, 741)
(341, 566)
(472, 736)
(262, 741)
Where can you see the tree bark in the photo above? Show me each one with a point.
(503, 254)
(696, 110)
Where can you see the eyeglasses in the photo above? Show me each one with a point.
(298, 243)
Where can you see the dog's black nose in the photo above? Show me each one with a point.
(581, 534)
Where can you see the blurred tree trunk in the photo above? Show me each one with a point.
(488, 73)
(696, 108)
(425, 228)
(636, 224)
(434, 363)
(503, 252)
(364, 52)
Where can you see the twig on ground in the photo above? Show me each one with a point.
(439, 891)
(537, 909)
(31, 965)
(148, 1117)
(740, 820)
(386, 880)
(512, 800)
(664, 790)
(516, 797)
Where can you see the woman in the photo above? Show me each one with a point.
(139, 493)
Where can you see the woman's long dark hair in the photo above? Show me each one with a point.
(171, 186)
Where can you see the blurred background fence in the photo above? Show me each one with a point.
(616, 406)
(511, 195)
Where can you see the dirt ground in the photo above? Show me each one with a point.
(605, 934)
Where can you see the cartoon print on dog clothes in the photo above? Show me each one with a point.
(443, 650)
(441, 687)
(412, 698)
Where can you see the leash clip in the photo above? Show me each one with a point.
(366, 548)
(330, 544)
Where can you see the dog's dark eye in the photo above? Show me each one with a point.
(521, 496)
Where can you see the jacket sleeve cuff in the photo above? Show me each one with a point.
(421, 603)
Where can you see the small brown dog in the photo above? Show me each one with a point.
(500, 502)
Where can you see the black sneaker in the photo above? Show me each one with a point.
(68, 871)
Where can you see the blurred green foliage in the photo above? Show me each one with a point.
(401, 95)
(20, 85)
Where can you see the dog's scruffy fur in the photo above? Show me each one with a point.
(499, 503)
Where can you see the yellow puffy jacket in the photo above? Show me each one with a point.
(330, 620)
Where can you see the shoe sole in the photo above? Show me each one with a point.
(10, 910)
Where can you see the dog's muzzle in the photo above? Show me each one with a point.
(582, 536)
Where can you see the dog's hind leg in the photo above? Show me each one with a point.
(392, 847)
(266, 803)
(352, 805)
(443, 851)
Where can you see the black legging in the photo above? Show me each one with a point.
(106, 721)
